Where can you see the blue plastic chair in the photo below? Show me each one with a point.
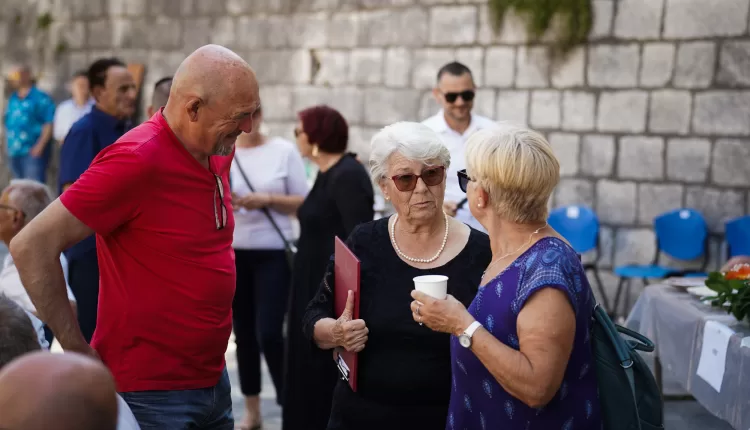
(683, 235)
(737, 233)
(579, 225)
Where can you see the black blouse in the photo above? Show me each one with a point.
(405, 368)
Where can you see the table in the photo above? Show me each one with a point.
(674, 321)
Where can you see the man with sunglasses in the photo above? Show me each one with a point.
(454, 123)
(159, 203)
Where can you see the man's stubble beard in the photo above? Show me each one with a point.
(223, 150)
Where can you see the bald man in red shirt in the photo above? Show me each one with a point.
(159, 202)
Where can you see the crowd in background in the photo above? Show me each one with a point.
(170, 233)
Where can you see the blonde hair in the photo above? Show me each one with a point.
(517, 168)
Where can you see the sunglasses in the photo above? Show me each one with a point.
(463, 179)
(431, 176)
(221, 217)
(467, 96)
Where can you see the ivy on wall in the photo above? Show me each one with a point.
(571, 20)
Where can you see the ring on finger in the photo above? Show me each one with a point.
(417, 312)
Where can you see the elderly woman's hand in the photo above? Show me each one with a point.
(347, 333)
(447, 316)
(252, 201)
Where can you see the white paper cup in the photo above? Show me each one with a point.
(433, 285)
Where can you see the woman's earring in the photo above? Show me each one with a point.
(315, 151)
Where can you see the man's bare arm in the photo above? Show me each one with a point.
(36, 253)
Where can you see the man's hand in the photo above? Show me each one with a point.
(348, 334)
(450, 208)
(37, 150)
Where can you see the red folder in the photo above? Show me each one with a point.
(346, 269)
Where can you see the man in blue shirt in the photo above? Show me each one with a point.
(114, 90)
(28, 125)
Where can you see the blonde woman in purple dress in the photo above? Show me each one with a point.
(521, 353)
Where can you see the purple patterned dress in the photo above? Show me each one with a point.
(478, 402)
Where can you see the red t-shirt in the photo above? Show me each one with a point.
(167, 275)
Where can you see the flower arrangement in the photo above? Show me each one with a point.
(732, 290)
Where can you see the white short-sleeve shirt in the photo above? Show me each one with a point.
(275, 167)
(11, 286)
(67, 114)
(456, 143)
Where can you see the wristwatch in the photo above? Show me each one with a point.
(465, 338)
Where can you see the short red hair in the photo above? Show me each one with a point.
(325, 127)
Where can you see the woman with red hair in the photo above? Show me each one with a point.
(340, 199)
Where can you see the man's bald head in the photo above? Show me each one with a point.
(213, 97)
(67, 391)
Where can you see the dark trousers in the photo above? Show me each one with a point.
(83, 277)
(259, 308)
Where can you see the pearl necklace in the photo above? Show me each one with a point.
(418, 260)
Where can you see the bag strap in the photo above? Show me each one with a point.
(622, 350)
(287, 244)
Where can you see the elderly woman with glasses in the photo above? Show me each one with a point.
(404, 371)
(521, 353)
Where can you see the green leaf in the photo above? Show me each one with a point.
(44, 20)
(539, 15)
(720, 286)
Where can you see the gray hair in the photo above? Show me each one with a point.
(17, 334)
(413, 140)
(30, 196)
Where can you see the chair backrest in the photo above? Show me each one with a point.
(737, 233)
(579, 225)
(681, 233)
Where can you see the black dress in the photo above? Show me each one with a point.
(404, 379)
(340, 199)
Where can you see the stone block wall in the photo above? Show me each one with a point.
(652, 114)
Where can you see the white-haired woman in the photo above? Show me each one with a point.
(404, 368)
(521, 353)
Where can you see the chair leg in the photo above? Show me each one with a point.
(600, 287)
(626, 308)
(615, 306)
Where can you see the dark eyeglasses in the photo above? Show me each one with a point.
(431, 176)
(467, 96)
(463, 179)
(221, 217)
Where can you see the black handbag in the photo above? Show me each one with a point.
(289, 247)
(629, 397)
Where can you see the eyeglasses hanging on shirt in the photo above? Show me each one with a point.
(220, 209)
